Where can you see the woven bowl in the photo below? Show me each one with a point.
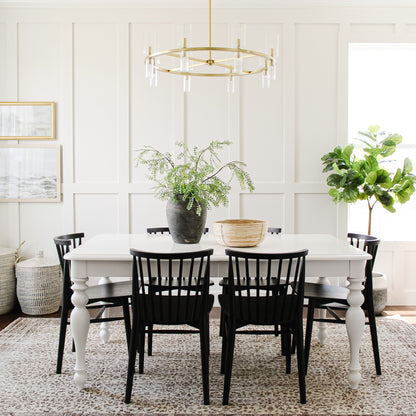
(240, 233)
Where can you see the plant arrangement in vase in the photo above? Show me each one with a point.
(191, 183)
(368, 178)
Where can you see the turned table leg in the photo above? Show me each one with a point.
(80, 320)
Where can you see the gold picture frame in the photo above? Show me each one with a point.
(27, 120)
(30, 173)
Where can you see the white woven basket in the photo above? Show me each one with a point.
(7, 280)
(39, 285)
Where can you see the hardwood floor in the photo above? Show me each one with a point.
(406, 312)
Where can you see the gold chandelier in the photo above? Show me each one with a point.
(210, 61)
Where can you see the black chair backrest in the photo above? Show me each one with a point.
(266, 287)
(170, 288)
(369, 244)
(162, 230)
(366, 243)
(274, 230)
(63, 244)
(158, 230)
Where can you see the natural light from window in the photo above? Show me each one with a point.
(382, 90)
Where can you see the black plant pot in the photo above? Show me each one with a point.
(186, 227)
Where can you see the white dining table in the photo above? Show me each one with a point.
(109, 255)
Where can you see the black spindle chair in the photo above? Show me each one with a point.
(274, 230)
(334, 298)
(170, 289)
(111, 294)
(158, 230)
(264, 289)
(163, 230)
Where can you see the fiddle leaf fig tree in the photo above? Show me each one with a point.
(193, 175)
(368, 178)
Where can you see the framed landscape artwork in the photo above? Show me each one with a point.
(30, 173)
(27, 120)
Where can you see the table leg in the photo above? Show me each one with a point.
(322, 327)
(104, 326)
(80, 320)
(355, 322)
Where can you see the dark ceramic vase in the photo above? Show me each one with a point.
(186, 227)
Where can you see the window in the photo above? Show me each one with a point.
(382, 90)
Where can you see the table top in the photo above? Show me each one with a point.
(116, 247)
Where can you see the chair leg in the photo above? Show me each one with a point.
(62, 334)
(229, 355)
(221, 324)
(127, 324)
(301, 362)
(204, 339)
(149, 340)
(142, 334)
(308, 334)
(374, 339)
(132, 362)
(224, 336)
(286, 336)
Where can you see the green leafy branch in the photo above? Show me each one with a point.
(355, 178)
(193, 175)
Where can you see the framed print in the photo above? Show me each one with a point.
(30, 173)
(24, 120)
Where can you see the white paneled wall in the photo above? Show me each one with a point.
(90, 62)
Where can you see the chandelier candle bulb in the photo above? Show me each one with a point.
(230, 85)
(187, 84)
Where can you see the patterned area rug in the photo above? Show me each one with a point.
(172, 381)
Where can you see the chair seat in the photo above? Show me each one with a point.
(176, 283)
(258, 310)
(262, 282)
(109, 291)
(330, 292)
(174, 310)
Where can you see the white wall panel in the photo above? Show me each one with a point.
(407, 281)
(217, 214)
(267, 207)
(39, 52)
(314, 214)
(316, 97)
(146, 211)
(96, 84)
(153, 110)
(261, 114)
(372, 28)
(95, 214)
(3, 68)
(38, 235)
(9, 220)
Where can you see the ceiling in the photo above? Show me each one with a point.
(204, 3)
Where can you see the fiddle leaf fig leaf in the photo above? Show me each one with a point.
(392, 140)
(374, 129)
(371, 178)
(397, 177)
(334, 180)
(350, 194)
(370, 164)
(407, 167)
(347, 152)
